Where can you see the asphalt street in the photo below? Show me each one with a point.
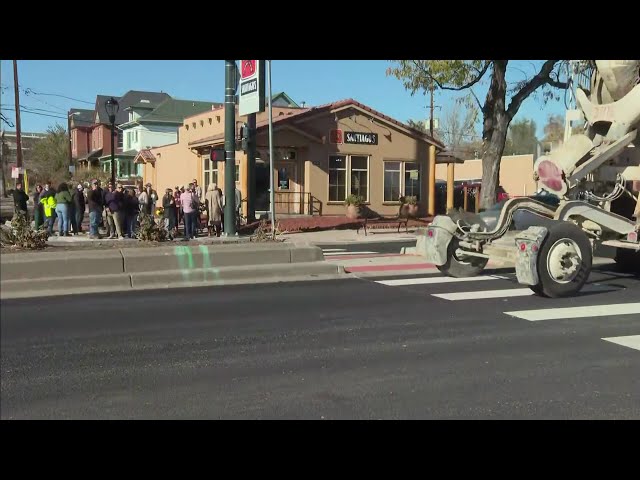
(340, 349)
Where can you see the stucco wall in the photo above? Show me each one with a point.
(516, 173)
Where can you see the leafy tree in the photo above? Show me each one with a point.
(501, 103)
(521, 139)
(50, 157)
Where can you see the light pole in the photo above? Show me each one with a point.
(69, 115)
(111, 106)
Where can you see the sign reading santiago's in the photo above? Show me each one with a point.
(252, 87)
(361, 138)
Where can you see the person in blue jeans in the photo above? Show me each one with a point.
(96, 205)
(63, 200)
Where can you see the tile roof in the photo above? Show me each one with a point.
(145, 155)
(307, 112)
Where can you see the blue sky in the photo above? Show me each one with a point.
(313, 81)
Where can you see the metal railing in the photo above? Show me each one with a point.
(294, 203)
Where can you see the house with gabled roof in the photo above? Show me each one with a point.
(322, 155)
(97, 135)
(153, 124)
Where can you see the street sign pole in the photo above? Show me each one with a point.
(230, 149)
(272, 199)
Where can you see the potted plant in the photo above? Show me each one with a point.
(353, 203)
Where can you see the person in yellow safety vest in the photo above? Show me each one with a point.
(48, 201)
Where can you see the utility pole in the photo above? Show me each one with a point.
(69, 114)
(4, 183)
(230, 149)
(251, 168)
(431, 206)
(431, 115)
(18, 137)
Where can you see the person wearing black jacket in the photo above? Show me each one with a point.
(170, 212)
(115, 206)
(131, 210)
(20, 199)
(38, 209)
(79, 204)
(96, 204)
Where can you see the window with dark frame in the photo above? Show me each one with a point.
(360, 176)
(412, 180)
(392, 181)
(337, 178)
(401, 178)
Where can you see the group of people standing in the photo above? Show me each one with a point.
(187, 204)
(118, 209)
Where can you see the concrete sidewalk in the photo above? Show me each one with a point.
(347, 237)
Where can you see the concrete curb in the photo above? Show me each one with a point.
(248, 274)
(65, 264)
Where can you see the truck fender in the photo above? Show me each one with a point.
(438, 236)
(528, 243)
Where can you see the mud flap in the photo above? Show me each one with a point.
(528, 244)
(438, 236)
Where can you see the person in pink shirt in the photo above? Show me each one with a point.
(190, 204)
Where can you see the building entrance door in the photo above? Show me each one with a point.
(287, 196)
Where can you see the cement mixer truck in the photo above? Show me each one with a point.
(588, 198)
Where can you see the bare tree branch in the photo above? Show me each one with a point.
(456, 89)
(541, 78)
(477, 100)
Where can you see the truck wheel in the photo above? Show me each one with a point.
(455, 267)
(564, 261)
(628, 261)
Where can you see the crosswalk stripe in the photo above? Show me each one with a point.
(431, 280)
(334, 249)
(334, 254)
(513, 292)
(577, 312)
(631, 341)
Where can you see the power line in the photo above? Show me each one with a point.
(46, 103)
(12, 107)
(29, 91)
(22, 109)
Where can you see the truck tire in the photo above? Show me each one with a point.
(628, 261)
(564, 262)
(470, 267)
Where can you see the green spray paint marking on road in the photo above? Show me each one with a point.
(185, 260)
(206, 264)
(187, 264)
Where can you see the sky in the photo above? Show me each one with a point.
(313, 81)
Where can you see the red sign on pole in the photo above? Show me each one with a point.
(335, 136)
(248, 68)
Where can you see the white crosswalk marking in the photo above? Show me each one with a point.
(631, 341)
(513, 292)
(434, 280)
(324, 250)
(577, 312)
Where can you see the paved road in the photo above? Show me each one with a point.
(342, 349)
